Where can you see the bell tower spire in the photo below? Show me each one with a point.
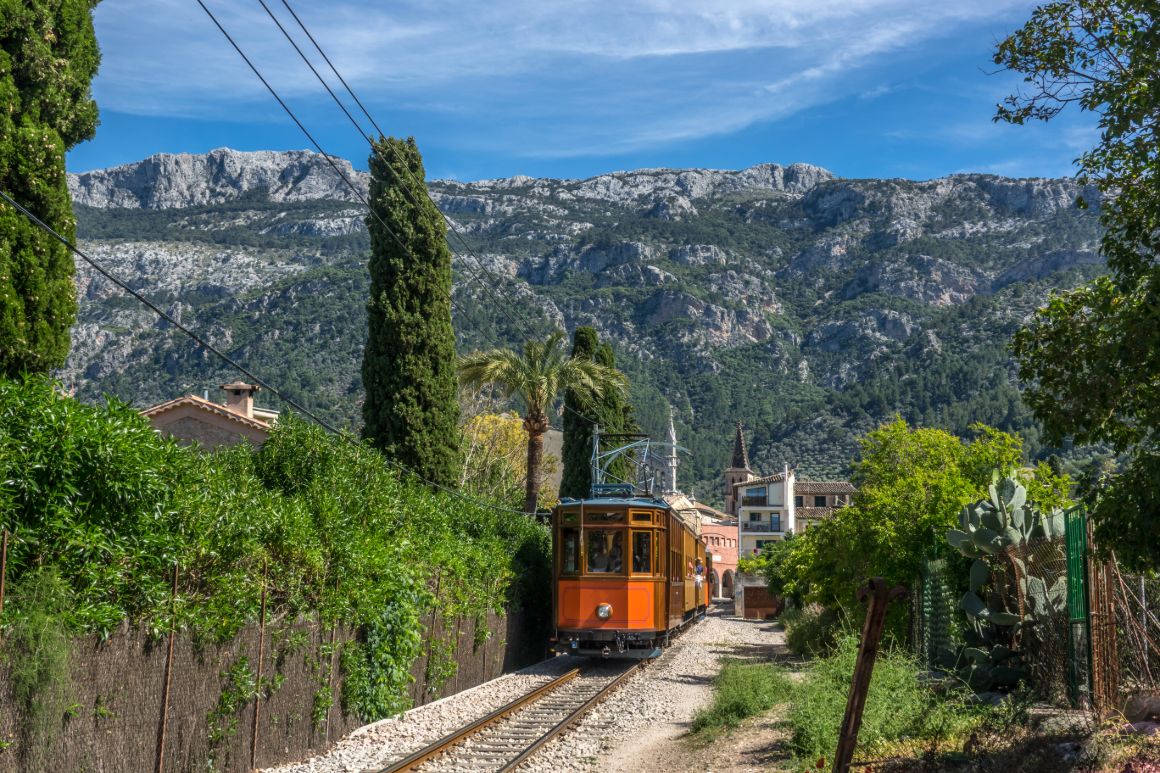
(738, 470)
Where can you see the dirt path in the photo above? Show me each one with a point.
(663, 746)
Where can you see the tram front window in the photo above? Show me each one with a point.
(605, 551)
(569, 551)
(642, 552)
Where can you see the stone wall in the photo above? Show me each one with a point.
(114, 721)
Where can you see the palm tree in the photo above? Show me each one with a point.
(538, 376)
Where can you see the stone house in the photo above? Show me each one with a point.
(196, 421)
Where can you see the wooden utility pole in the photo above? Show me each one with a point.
(880, 597)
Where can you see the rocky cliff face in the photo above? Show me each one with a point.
(174, 181)
(805, 305)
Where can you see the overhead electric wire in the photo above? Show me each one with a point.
(305, 131)
(528, 326)
(163, 314)
(345, 179)
(99, 268)
(366, 203)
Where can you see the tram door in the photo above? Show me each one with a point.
(676, 571)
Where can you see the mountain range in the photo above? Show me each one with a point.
(806, 306)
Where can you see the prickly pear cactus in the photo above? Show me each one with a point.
(992, 658)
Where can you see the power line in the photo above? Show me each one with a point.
(161, 313)
(310, 137)
(334, 165)
(99, 268)
(331, 161)
(527, 326)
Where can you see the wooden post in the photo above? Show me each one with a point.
(258, 678)
(3, 567)
(880, 597)
(168, 675)
(330, 674)
(430, 641)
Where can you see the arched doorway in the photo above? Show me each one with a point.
(714, 584)
(727, 584)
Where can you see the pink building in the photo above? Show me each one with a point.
(719, 531)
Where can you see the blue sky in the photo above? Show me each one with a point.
(865, 88)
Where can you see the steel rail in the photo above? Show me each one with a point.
(447, 741)
(572, 718)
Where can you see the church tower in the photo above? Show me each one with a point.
(738, 470)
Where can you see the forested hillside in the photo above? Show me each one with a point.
(807, 307)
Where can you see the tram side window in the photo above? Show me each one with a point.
(642, 552)
(605, 551)
(569, 551)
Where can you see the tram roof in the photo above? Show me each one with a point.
(617, 502)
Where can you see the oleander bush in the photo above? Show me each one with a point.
(96, 495)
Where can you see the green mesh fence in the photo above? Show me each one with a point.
(933, 609)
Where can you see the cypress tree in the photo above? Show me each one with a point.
(616, 411)
(612, 412)
(576, 481)
(48, 57)
(408, 370)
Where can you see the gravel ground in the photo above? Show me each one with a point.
(635, 728)
(657, 704)
(371, 746)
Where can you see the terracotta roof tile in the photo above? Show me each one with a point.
(204, 405)
(775, 478)
(823, 487)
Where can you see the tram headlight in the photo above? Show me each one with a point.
(604, 611)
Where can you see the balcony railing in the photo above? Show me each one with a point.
(761, 526)
(754, 501)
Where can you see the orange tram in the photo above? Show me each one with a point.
(627, 574)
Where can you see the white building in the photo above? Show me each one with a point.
(768, 508)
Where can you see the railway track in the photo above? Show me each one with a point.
(510, 735)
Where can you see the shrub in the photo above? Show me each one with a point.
(105, 503)
(37, 652)
(811, 630)
(897, 706)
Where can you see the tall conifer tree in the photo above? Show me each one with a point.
(408, 367)
(48, 57)
(578, 420)
(612, 411)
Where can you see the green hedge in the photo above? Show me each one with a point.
(94, 494)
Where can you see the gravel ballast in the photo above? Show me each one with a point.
(662, 698)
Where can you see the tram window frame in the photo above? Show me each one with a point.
(578, 553)
(641, 517)
(604, 517)
(589, 534)
(653, 553)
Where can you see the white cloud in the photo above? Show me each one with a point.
(578, 77)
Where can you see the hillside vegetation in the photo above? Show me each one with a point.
(808, 307)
